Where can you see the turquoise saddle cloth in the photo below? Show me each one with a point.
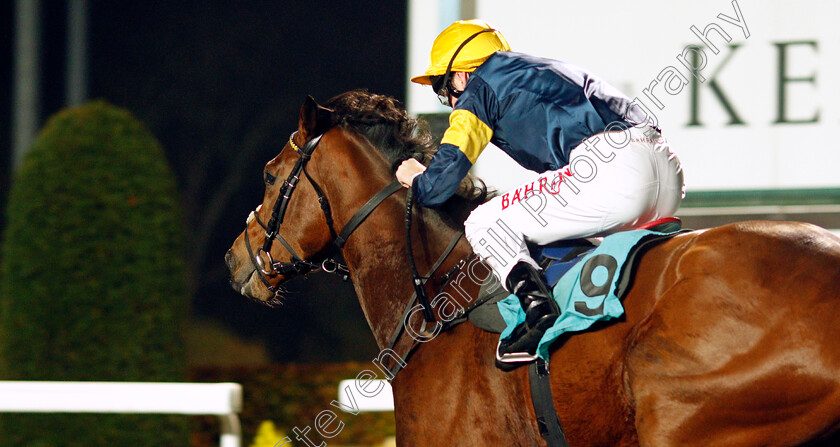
(591, 290)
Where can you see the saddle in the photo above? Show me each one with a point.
(556, 259)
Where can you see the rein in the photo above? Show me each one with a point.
(419, 289)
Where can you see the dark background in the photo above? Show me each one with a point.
(220, 84)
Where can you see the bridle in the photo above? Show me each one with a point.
(301, 266)
(297, 264)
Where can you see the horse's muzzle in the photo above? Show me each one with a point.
(242, 280)
(238, 277)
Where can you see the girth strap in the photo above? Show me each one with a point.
(365, 211)
(547, 420)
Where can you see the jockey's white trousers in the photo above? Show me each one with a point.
(614, 181)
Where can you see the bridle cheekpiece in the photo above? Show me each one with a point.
(262, 260)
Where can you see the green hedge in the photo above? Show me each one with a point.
(291, 396)
(93, 277)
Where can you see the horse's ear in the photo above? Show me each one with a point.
(314, 119)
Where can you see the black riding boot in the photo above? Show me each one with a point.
(540, 313)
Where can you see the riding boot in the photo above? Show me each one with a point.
(540, 313)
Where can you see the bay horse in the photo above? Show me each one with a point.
(731, 335)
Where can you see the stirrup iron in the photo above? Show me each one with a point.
(514, 357)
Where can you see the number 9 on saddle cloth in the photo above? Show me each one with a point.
(587, 281)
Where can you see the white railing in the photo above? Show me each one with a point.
(220, 399)
(350, 396)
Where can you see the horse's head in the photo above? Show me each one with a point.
(334, 171)
(285, 236)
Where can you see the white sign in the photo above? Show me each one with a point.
(760, 112)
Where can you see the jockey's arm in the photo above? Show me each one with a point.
(440, 181)
(462, 143)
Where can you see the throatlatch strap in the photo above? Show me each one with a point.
(547, 419)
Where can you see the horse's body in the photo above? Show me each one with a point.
(731, 335)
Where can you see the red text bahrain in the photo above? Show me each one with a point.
(519, 194)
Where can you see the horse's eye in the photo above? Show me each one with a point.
(269, 179)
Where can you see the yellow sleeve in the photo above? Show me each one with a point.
(468, 133)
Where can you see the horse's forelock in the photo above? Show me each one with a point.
(384, 122)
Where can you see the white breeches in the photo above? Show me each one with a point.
(614, 181)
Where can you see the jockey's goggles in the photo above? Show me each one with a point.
(443, 91)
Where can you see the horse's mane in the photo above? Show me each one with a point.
(385, 123)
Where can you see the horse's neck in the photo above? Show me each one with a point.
(381, 274)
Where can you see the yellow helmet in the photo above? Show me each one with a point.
(483, 42)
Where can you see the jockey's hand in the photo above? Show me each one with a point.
(408, 170)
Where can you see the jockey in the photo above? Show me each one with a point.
(600, 164)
